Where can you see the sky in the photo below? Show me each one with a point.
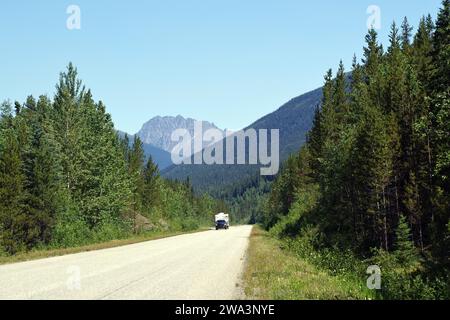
(225, 61)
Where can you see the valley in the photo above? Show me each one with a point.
(340, 193)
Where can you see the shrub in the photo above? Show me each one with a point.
(404, 282)
(71, 233)
(111, 230)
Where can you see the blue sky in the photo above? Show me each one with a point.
(229, 62)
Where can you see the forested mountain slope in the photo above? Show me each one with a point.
(294, 119)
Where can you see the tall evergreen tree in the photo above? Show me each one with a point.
(12, 181)
(441, 49)
(373, 53)
(406, 36)
(372, 60)
(135, 169)
(421, 55)
(315, 140)
(317, 134)
(150, 195)
(405, 251)
(43, 172)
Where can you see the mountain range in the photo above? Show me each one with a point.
(156, 133)
(158, 130)
(293, 119)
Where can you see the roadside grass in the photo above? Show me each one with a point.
(274, 273)
(47, 253)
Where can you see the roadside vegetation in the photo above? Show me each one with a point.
(275, 271)
(68, 180)
(371, 185)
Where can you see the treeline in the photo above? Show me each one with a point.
(67, 179)
(374, 176)
(245, 198)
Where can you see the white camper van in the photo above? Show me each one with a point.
(222, 221)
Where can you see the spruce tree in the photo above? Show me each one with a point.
(315, 141)
(150, 195)
(12, 193)
(340, 99)
(372, 60)
(373, 53)
(135, 168)
(405, 251)
(406, 36)
(43, 173)
(421, 55)
(441, 49)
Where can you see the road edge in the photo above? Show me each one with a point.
(50, 253)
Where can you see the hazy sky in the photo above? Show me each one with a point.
(227, 61)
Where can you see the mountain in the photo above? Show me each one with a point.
(156, 136)
(158, 130)
(293, 119)
(161, 157)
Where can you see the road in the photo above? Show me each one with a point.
(204, 265)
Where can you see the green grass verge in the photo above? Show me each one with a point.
(274, 273)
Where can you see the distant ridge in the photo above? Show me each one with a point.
(294, 119)
(158, 130)
(156, 136)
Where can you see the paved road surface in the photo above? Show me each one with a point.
(205, 265)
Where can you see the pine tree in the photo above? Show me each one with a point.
(405, 251)
(406, 36)
(396, 64)
(43, 173)
(135, 169)
(422, 126)
(5, 119)
(436, 124)
(12, 181)
(340, 99)
(125, 146)
(317, 134)
(329, 120)
(441, 49)
(373, 58)
(358, 95)
(151, 180)
(440, 119)
(373, 53)
(422, 48)
(315, 141)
